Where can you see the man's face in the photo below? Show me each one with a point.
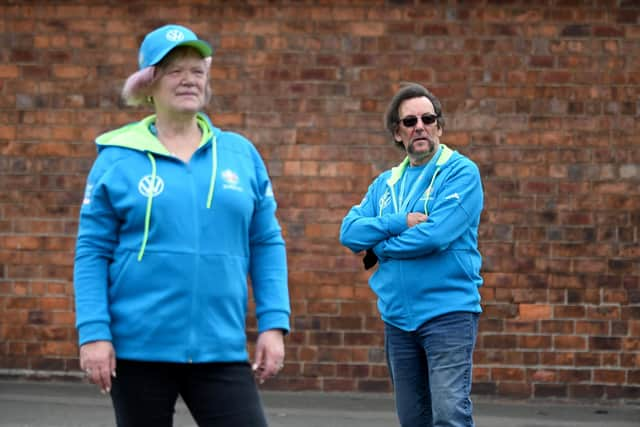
(421, 140)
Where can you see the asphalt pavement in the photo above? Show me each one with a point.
(60, 404)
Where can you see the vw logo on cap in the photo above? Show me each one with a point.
(160, 41)
(175, 36)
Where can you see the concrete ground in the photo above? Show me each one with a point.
(46, 404)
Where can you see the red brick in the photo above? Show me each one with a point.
(534, 341)
(569, 312)
(631, 343)
(535, 311)
(8, 71)
(337, 354)
(325, 338)
(570, 342)
(514, 390)
(507, 374)
(499, 341)
(544, 376)
(604, 343)
(557, 326)
(353, 370)
(515, 326)
(480, 374)
(574, 375)
(609, 312)
(319, 370)
(559, 358)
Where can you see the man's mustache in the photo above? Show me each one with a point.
(430, 142)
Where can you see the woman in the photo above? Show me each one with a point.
(176, 215)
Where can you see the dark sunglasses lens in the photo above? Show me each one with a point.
(428, 119)
(410, 121)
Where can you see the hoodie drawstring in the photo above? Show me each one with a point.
(214, 170)
(147, 216)
(427, 193)
(444, 157)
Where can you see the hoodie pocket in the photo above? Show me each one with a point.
(118, 267)
(469, 264)
(152, 301)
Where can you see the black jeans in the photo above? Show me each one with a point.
(217, 394)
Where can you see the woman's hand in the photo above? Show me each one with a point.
(98, 361)
(269, 358)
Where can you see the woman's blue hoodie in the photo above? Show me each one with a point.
(165, 248)
(432, 268)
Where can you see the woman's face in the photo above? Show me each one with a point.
(182, 82)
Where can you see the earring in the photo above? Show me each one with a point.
(149, 99)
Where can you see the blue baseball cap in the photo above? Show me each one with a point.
(159, 42)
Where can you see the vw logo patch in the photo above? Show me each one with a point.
(148, 186)
(175, 35)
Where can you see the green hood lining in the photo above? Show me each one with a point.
(137, 136)
(397, 171)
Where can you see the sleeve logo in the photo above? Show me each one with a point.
(268, 192)
(87, 194)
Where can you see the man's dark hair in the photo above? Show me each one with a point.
(411, 90)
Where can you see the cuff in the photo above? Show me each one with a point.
(94, 331)
(397, 223)
(274, 320)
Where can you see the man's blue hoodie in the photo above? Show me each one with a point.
(164, 248)
(432, 268)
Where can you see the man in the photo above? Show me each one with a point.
(419, 222)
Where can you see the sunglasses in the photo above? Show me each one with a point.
(427, 119)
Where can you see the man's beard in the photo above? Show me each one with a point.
(411, 151)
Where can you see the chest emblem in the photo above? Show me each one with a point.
(231, 180)
(150, 186)
(384, 200)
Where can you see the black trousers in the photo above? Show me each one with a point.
(217, 394)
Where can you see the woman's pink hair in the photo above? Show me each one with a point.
(136, 89)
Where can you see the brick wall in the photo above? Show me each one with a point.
(545, 99)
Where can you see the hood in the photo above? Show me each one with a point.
(442, 156)
(137, 136)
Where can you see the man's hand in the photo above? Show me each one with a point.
(269, 358)
(98, 361)
(415, 218)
